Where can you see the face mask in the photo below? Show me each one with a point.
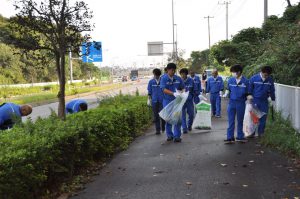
(234, 74)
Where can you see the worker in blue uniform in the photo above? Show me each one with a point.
(75, 106)
(169, 84)
(215, 87)
(197, 87)
(10, 113)
(188, 107)
(155, 95)
(261, 88)
(238, 90)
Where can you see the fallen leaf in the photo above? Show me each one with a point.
(161, 154)
(233, 173)
(251, 161)
(245, 166)
(188, 183)
(226, 183)
(188, 194)
(245, 185)
(224, 165)
(154, 175)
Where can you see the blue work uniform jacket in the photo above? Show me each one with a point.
(260, 89)
(189, 86)
(197, 86)
(238, 91)
(9, 112)
(155, 91)
(215, 85)
(73, 106)
(171, 84)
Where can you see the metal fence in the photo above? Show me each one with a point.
(288, 102)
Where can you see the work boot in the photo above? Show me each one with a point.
(190, 128)
(229, 141)
(177, 140)
(185, 132)
(242, 140)
(169, 139)
(157, 133)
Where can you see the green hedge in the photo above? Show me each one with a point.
(38, 157)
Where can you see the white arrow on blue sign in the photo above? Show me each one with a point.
(91, 52)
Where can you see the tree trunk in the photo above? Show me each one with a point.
(60, 66)
(62, 82)
(289, 3)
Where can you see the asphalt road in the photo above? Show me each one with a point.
(199, 167)
(92, 100)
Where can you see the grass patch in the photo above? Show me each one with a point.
(52, 95)
(281, 135)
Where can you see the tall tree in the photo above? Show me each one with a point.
(54, 26)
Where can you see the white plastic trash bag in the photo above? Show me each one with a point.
(172, 113)
(203, 117)
(251, 119)
(248, 125)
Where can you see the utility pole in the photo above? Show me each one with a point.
(226, 3)
(265, 10)
(208, 17)
(176, 44)
(173, 53)
(71, 65)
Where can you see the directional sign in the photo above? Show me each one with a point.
(91, 52)
(155, 48)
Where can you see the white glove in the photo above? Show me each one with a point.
(249, 97)
(221, 93)
(176, 94)
(226, 94)
(201, 97)
(149, 102)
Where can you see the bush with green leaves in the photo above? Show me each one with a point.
(37, 157)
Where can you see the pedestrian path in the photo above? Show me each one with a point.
(199, 167)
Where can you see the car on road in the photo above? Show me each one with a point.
(134, 78)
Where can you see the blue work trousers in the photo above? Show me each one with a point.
(215, 101)
(188, 109)
(159, 123)
(235, 108)
(263, 106)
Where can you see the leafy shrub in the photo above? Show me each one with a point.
(281, 135)
(36, 156)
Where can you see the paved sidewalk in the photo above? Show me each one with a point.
(199, 167)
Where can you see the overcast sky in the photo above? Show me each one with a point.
(125, 26)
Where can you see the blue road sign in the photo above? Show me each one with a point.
(92, 52)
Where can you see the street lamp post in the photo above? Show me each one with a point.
(173, 53)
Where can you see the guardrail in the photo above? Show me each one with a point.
(288, 102)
